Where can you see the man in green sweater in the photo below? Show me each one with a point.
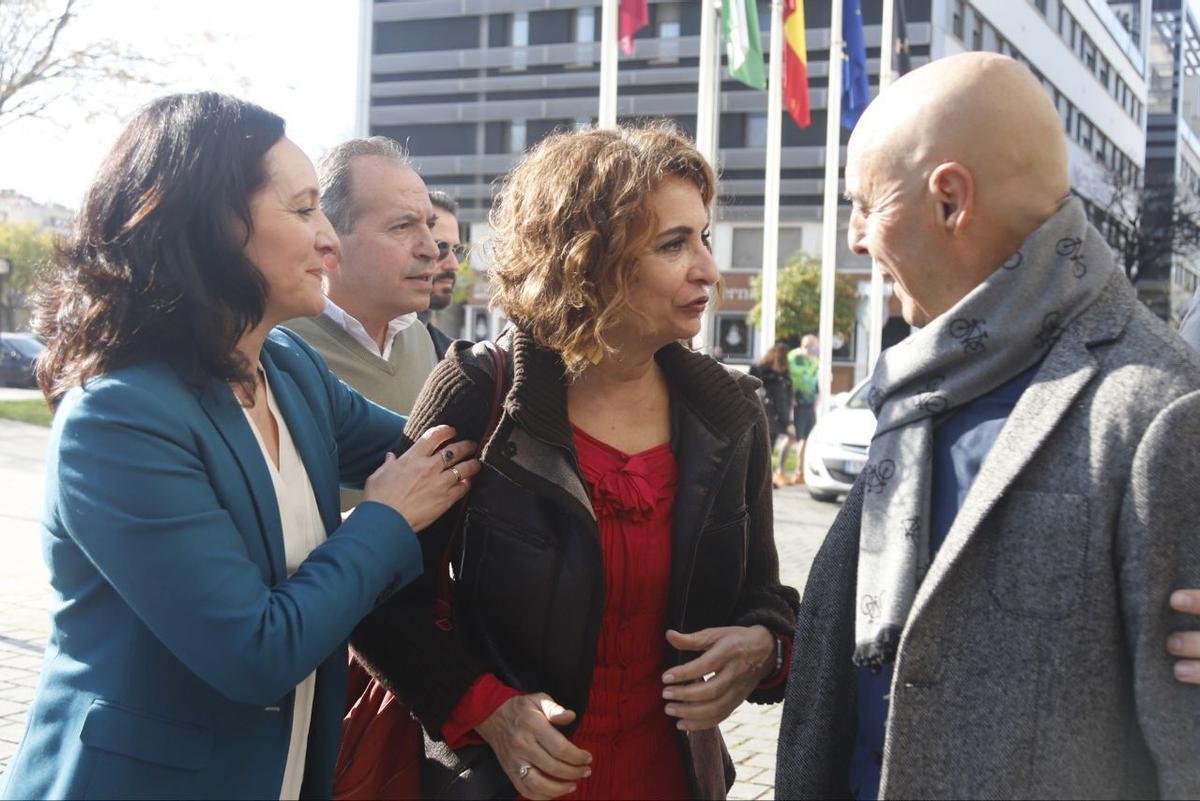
(369, 333)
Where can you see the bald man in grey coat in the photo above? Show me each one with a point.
(989, 615)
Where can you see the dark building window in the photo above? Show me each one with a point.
(537, 130)
(733, 131)
(438, 139)
(498, 25)
(511, 30)
(424, 35)
(686, 123)
(956, 23)
(551, 27)
(495, 137)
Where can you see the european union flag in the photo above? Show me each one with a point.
(856, 87)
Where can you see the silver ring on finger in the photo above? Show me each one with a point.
(523, 771)
(448, 456)
(457, 474)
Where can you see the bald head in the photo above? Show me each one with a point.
(971, 152)
(984, 111)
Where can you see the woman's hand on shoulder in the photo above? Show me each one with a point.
(427, 479)
(539, 760)
(735, 660)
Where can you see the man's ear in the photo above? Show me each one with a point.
(953, 189)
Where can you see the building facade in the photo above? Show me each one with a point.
(19, 209)
(1173, 151)
(468, 85)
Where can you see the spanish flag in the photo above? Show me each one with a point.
(795, 63)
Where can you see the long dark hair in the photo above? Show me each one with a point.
(775, 358)
(155, 266)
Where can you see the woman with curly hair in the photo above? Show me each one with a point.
(205, 581)
(616, 589)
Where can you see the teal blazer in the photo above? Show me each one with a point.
(178, 638)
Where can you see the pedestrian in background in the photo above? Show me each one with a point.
(205, 581)
(619, 548)
(776, 393)
(804, 368)
(451, 254)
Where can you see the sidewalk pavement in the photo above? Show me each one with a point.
(25, 597)
(25, 594)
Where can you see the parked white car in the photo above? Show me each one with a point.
(837, 446)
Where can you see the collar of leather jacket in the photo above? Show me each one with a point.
(721, 398)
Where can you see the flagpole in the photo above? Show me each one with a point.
(829, 240)
(887, 45)
(770, 274)
(608, 63)
(707, 92)
(887, 73)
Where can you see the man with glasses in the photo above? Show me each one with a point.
(451, 254)
(369, 333)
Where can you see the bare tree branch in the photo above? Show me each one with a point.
(38, 69)
(1148, 228)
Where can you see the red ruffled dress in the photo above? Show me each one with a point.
(633, 742)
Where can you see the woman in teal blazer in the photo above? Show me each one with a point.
(181, 633)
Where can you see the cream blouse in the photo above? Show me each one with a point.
(302, 532)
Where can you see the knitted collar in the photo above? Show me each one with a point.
(720, 397)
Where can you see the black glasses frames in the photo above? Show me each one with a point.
(460, 251)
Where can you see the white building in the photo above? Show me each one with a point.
(17, 208)
(1173, 143)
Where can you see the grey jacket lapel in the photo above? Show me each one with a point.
(1067, 369)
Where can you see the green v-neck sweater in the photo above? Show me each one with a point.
(393, 383)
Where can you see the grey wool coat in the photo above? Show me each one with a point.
(1033, 663)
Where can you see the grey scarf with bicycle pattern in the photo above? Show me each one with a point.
(1003, 327)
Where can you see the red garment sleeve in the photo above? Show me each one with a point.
(785, 665)
(486, 694)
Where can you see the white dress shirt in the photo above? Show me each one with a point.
(355, 329)
(303, 531)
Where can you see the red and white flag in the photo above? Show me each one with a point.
(634, 16)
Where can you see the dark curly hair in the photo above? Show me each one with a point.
(155, 265)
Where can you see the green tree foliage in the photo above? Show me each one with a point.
(798, 300)
(28, 250)
(465, 280)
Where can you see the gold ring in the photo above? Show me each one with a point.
(457, 474)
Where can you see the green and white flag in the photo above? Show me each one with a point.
(743, 42)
